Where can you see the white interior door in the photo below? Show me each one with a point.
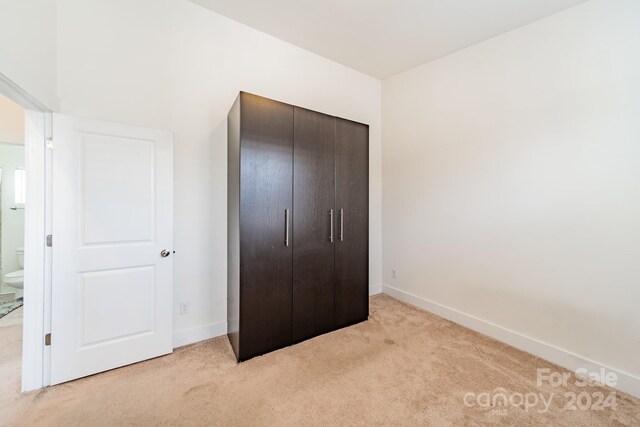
(112, 207)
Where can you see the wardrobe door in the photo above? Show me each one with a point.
(313, 213)
(266, 168)
(352, 224)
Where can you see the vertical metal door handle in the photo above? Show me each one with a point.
(286, 227)
(342, 225)
(331, 227)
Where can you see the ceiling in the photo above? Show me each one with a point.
(385, 37)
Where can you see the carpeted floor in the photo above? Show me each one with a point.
(402, 367)
(10, 360)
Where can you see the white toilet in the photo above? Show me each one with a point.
(15, 279)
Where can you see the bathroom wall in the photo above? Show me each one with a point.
(11, 121)
(11, 157)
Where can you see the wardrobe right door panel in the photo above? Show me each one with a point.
(352, 225)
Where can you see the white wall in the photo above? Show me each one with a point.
(28, 47)
(11, 157)
(175, 65)
(11, 121)
(511, 182)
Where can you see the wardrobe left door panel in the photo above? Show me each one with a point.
(266, 199)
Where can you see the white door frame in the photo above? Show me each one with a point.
(37, 277)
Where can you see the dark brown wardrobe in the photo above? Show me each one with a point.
(298, 224)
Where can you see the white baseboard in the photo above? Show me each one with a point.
(199, 333)
(375, 289)
(627, 383)
(212, 330)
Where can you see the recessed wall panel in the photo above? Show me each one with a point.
(115, 304)
(117, 190)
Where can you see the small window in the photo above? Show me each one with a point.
(20, 181)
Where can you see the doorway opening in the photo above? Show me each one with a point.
(25, 282)
(127, 169)
(12, 227)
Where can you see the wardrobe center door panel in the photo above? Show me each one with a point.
(266, 168)
(313, 198)
(352, 226)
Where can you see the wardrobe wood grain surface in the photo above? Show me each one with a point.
(352, 226)
(313, 208)
(297, 224)
(265, 193)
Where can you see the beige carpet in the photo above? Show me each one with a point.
(402, 367)
(10, 359)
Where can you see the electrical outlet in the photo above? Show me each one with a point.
(394, 273)
(185, 307)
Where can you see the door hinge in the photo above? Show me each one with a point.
(50, 143)
(47, 339)
(49, 240)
